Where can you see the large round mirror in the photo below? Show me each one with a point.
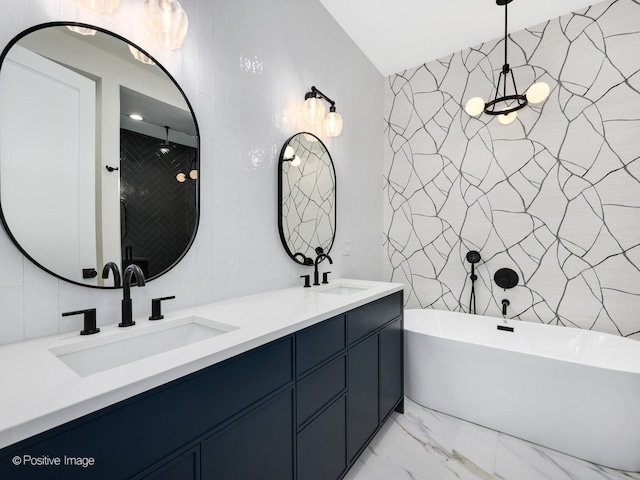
(99, 155)
(307, 198)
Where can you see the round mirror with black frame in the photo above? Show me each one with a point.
(99, 155)
(306, 198)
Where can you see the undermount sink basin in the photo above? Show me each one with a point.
(96, 355)
(344, 290)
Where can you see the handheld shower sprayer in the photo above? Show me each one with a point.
(473, 257)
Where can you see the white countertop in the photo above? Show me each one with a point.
(40, 392)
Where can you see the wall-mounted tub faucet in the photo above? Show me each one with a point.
(115, 270)
(135, 271)
(321, 255)
(505, 304)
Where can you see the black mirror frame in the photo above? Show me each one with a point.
(34, 28)
(307, 261)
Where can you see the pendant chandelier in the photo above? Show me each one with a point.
(506, 106)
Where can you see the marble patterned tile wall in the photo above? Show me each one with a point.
(245, 67)
(554, 196)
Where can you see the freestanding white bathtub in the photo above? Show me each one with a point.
(575, 391)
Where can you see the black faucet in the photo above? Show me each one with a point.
(505, 304)
(131, 270)
(116, 273)
(321, 255)
(305, 260)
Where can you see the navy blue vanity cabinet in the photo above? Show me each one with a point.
(258, 446)
(135, 438)
(302, 407)
(391, 361)
(185, 466)
(374, 333)
(348, 381)
(321, 370)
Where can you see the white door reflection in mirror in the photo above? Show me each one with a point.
(50, 109)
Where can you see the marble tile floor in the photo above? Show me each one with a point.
(426, 445)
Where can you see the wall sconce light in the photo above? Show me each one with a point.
(290, 156)
(313, 113)
(101, 6)
(537, 93)
(167, 22)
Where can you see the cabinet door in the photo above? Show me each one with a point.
(257, 446)
(322, 445)
(363, 394)
(390, 367)
(184, 467)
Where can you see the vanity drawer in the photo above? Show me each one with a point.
(367, 318)
(319, 342)
(317, 389)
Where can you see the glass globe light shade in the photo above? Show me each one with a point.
(296, 161)
(81, 30)
(193, 174)
(289, 153)
(167, 22)
(538, 92)
(181, 177)
(141, 57)
(313, 111)
(474, 106)
(332, 124)
(101, 6)
(508, 118)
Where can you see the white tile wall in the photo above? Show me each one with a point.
(245, 67)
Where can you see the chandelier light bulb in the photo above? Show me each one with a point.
(296, 161)
(167, 22)
(538, 92)
(193, 174)
(181, 177)
(474, 106)
(508, 118)
(313, 111)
